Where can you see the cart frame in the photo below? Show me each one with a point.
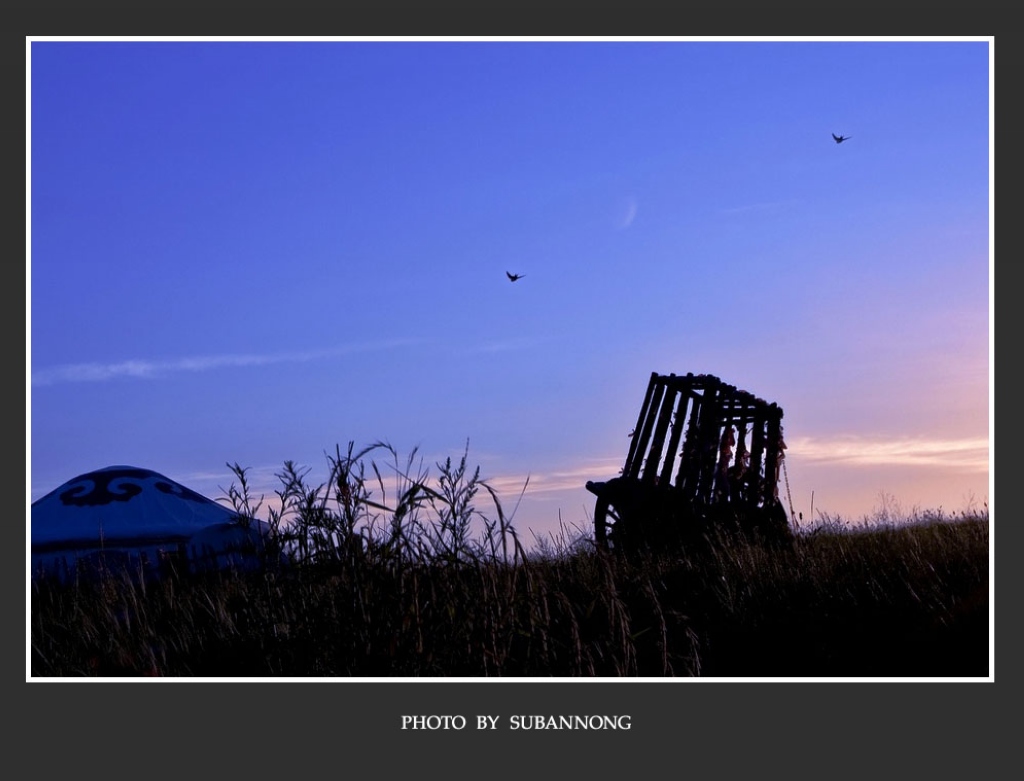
(702, 454)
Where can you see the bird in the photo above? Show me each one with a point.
(840, 139)
(513, 277)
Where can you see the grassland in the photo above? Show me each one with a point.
(397, 574)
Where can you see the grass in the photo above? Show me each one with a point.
(398, 574)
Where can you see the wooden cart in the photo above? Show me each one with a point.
(702, 455)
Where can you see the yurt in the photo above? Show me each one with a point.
(134, 518)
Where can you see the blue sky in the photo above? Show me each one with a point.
(253, 251)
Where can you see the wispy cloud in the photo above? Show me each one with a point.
(555, 480)
(767, 206)
(626, 213)
(489, 346)
(504, 345)
(969, 454)
(150, 369)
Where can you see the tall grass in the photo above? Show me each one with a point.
(396, 573)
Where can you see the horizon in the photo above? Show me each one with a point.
(251, 251)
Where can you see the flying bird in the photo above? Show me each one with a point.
(514, 277)
(840, 139)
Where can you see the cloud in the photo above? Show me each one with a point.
(970, 454)
(625, 213)
(556, 480)
(150, 369)
(768, 206)
(504, 345)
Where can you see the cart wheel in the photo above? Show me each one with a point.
(606, 518)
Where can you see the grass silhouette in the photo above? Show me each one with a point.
(394, 573)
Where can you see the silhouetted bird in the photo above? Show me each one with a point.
(840, 139)
(514, 277)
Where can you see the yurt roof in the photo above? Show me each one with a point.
(121, 505)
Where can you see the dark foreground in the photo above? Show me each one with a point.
(894, 601)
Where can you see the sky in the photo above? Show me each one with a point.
(255, 251)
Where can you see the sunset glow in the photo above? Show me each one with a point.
(251, 252)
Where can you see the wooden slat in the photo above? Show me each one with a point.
(654, 454)
(692, 412)
(677, 434)
(643, 437)
(635, 438)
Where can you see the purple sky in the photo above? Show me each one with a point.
(253, 251)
